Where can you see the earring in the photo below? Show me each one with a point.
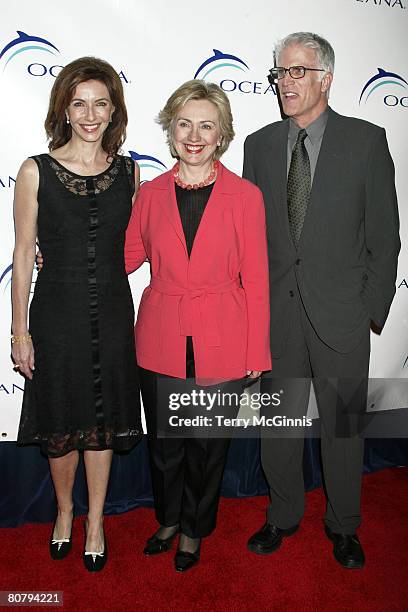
(219, 143)
(67, 119)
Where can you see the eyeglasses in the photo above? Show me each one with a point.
(296, 72)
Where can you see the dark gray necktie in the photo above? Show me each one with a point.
(298, 186)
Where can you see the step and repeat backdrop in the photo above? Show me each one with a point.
(156, 46)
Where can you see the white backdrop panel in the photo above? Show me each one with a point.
(156, 47)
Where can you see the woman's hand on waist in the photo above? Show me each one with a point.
(39, 260)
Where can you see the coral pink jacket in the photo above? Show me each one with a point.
(219, 296)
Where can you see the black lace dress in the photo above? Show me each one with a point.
(85, 389)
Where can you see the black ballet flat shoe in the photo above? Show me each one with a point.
(95, 561)
(59, 548)
(347, 549)
(156, 545)
(183, 560)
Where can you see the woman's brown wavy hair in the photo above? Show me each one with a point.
(78, 71)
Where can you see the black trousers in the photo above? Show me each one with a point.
(186, 471)
(340, 384)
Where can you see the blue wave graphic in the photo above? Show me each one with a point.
(29, 48)
(6, 271)
(26, 38)
(139, 157)
(381, 74)
(3, 276)
(219, 55)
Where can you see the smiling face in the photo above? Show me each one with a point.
(306, 98)
(196, 133)
(90, 110)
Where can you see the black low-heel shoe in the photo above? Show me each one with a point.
(95, 561)
(156, 545)
(183, 560)
(59, 548)
(269, 538)
(347, 549)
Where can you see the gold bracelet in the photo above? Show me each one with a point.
(19, 339)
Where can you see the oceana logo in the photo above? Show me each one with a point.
(23, 43)
(389, 3)
(225, 68)
(150, 166)
(37, 46)
(217, 61)
(388, 83)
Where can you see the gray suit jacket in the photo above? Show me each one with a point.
(345, 265)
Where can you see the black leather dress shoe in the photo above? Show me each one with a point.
(156, 545)
(59, 548)
(347, 549)
(183, 560)
(269, 538)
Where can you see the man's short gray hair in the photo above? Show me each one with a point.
(323, 48)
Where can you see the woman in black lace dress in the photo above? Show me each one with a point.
(78, 356)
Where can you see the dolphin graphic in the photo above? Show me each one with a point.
(6, 271)
(23, 38)
(140, 157)
(381, 73)
(218, 55)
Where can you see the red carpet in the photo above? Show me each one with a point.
(302, 575)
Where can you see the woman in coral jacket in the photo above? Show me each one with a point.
(203, 321)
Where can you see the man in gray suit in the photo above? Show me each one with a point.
(332, 224)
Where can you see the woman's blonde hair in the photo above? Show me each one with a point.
(197, 89)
